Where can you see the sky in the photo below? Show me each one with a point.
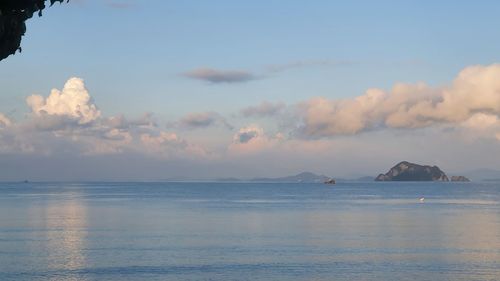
(151, 90)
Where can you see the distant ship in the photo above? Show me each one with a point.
(329, 181)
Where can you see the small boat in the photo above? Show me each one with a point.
(329, 181)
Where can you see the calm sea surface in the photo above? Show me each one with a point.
(249, 231)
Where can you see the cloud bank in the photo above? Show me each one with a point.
(68, 121)
(476, 90)
(321, 134)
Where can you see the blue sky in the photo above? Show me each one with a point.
(134, 55)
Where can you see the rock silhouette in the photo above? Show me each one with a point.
(13, 15)
(406, 171)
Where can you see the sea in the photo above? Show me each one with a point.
(250, 231)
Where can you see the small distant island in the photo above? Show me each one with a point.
(460, 178)
(330, 181)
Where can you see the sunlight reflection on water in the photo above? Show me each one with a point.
(64, 224)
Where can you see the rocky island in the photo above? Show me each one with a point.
(329, 181)
(406, 171)
(460, 178)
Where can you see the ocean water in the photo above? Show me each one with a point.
(249, 231)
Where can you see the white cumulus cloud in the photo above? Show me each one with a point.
(72, 101)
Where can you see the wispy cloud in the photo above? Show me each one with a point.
(265, 109)
(213, 75)
(203, 120)
(309, 63)
(220, 76)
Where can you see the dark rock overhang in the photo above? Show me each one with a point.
(13, 15)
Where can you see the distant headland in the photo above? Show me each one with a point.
(403, 171)
(305, 177)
